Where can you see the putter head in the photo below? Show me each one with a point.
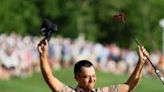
(47, 28)
(120, 17)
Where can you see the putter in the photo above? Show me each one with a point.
(121, 18)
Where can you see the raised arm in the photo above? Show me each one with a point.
(51, 80)
(135, 77)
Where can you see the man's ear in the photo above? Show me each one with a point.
(76, 77)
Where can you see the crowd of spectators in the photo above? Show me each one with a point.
(19, 56)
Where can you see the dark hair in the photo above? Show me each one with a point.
(80, 64)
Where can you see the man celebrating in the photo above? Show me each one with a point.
(84, 73)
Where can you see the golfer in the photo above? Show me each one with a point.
(84, 74)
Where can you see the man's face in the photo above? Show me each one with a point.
(87, 78)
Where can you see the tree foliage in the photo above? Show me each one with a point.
(18, 16)
(94, 18)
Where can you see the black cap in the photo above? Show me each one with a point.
(47, 28)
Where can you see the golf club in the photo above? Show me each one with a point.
(121, 18)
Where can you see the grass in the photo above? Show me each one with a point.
(37, 84)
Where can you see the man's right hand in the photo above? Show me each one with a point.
(43, 48)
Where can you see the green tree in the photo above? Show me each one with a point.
(94, 18)
(20, 17)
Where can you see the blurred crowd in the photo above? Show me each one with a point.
(19, 56)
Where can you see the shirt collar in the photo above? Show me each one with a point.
(79, 89)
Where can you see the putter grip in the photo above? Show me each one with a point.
(156, 71)
(160, 77)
